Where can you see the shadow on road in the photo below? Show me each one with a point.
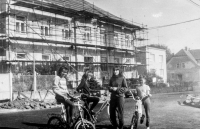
(44, 126)
(103, 126)
(40, 126)
(8, 128)
(108, 127)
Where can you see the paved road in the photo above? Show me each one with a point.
(166, 113)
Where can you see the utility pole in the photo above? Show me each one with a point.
(76, 59)
(9, 49)
(34, 78)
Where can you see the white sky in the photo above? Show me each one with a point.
(158, 13)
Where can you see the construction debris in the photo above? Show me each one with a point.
(192, 100)
(26, 103)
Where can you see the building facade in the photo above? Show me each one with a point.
(154, 60)
(48, 33)
(184, 66)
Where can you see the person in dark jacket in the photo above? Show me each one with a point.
(84, 86)
(117, 87)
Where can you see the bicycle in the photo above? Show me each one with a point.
(137, 114)
(59, 121)
(93, 117)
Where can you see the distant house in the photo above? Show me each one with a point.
(184, 66)
(155, 60)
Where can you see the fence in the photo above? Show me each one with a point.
(25, 82)
(176, 87)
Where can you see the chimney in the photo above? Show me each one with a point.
(186, 48)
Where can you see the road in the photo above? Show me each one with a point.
(166, 113)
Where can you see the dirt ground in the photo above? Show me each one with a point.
(167, 112)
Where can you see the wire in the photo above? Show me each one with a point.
(157, 27)
(194, 3)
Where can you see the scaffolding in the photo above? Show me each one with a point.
(50, 33)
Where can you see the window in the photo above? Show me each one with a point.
(128, 60)
(20, 24)
(161, 72)
(153, 71)
(173, 75)
(132, 42)
(2, 51)
(42, 30)
(180, 77)
(103, 66)
(160, 58)
(66, 33)
(116, 60)
(102, 36)
(21, 55)
(50, 30)
(22, 27)
(66, 58)
(70, 33)
(45, 30)
(102, 39)
(88, 59)
(87, 34)
(116, 42)
(152, 57)
(127, 41)
(46, 57)
(178, 65)
(103, 59)
(183, 65)
(17, 27)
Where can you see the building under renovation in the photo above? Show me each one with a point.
(39, 35)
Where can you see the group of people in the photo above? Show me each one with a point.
(117, 87)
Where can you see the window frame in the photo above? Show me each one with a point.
(43, 30)
(20, 24)
(152, 59)
(161, 58)
(47, 55)
(116, 60)
(23, 58)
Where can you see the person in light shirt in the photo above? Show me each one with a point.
(62, 93)
(143, 91)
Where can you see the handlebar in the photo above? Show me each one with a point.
(138, 98)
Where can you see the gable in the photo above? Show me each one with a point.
(181, 53)
(184, 62)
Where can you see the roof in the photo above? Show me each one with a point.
(195, 53)
(149, 47)
(191, 56)
(187, 53)
(74, 7)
